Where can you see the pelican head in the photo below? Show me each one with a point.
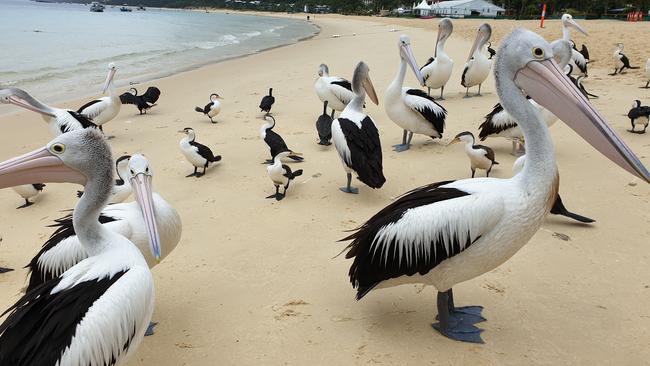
(323, 70)
(79, 157)
(112, 69)
(567, 21)
(527, 61)
(22, 99)
(361, 83)
(445, 27)
(141, 177)
(482, 37)
(406, 53)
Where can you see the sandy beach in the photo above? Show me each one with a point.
(257, 282)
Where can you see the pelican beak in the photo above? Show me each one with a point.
(370, 90)
(440, 36)
(142, 189)
(572, 23)
(22, 103)
(546, 84)
(39, 166)
(478, 42)
(109, 79)
(407, 54)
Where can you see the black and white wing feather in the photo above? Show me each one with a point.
(422, 103)
(365, 156)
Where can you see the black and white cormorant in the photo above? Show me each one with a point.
(621, 62)
(27, 191)
(480, 156)
(143, 102)
(639, 116)
(275, 142)
(212, 109)
(267, 102)
(281, 174)
(324, 127)
(200, 156)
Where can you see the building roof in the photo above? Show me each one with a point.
(423, 6)
(466, 3)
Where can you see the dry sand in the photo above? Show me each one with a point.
(254, 282)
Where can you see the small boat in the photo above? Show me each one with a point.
(125, 9)
(96, 7)
(141, 8)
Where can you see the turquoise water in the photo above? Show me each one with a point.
(60, 51)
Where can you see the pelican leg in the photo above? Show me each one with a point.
(442, 91)
(150, 329)
(429, 91)
(5, 270)
(333, 111)
(473, 172)
(458, 323)
(193, 174)
(27, 204)
(466, 93)
(406, 142)
(479, 90)
(349, 188)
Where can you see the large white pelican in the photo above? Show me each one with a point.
(122, 188)
(97, 312)
(59, 120)
(412, 109)
(579, 59)
(356, 137)
(477, 67)
(336, 91)
(450, 232)
(437, 71)
(64, 248)
(104, 109)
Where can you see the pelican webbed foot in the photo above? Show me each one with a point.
(351, 190)
(150, 330)
(458, 323)
(401, 147)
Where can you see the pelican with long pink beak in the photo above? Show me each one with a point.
(450, 232)
(87, 315)
(579, 59)
(478, 65)
(104, 109)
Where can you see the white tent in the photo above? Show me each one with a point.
(424, 8)
(462, 8)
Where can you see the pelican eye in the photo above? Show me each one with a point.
(57, 148)
(538, 52)
(132, 172)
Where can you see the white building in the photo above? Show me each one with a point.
(423, 9)
(462, 8)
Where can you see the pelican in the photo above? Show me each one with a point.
(212, 109)
(412, 109)
(578, 59)
(27, 191)
(122, 188)
(558, 206)
(647, 74)
(480, 157)
(281, 175)
(477, 68)
(59, 120)
(334, 90)
(621, 62)
(449, 232)
(63, 249)
(97, 312)
(104, 109)
(356, 137)
(437, 71)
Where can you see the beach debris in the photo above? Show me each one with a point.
(563, 237)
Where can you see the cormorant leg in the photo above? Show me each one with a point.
(333, 111)
(429, 91)
(198, 175)
(27, 204)
(5, 270)
(647, 85)
(149, 331)
(473, 172)
(442, 90)
(193, 174)
(349, 188)
(405, 142)
(453, 324)
(277, 192)
(488, 172)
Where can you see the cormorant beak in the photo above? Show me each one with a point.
(22, 103)
(109, 79)
(143, 191)
(294, 153)
(407, 54)
(454, 141)
(370, 90)
(38, 166)
(546, 84)
(572, 23)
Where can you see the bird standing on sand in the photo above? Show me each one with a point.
(477, 67)
(356, 137)
(647, 74)
(275, 142)
(579, 59)
(211, 109)
(104, 109)
(336, 91)
(59, 120)
(267, 102)
(621, 62)
(281, 174)
(639, 116)
(437, 71)
(27, 191)
(448, 232)
(143, 102)
(122, 188)
(324, 127)
(200, 156)
(410, 108)
(480, 156)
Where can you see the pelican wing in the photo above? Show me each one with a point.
(84, 121)
(365, 156)
(418, 231)
(585, 52)
(92, 109)
(580, 61)
(342, 89)
(433, 112)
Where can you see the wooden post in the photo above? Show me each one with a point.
(541, 24)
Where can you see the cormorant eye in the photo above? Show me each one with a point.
(538, 52)
(57, 148)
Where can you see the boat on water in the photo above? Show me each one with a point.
(96, 7)
(124, 8)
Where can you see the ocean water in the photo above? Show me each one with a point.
(61, 51)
